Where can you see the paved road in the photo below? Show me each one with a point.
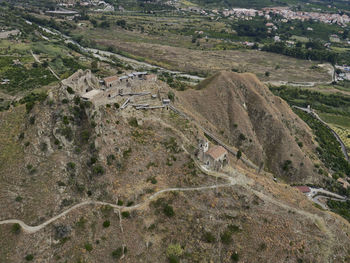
(342, 145)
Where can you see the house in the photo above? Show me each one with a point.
(214, 157)
(166, 101)
(304, 189)
(110, 81)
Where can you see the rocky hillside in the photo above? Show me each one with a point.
(244, 113)
(87, 183)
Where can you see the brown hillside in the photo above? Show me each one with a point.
(243, 112)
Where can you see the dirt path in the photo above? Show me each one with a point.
(38, 61)
(33, 229)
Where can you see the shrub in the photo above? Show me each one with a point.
(125, 214)
(286, 165)
(88, 247)
(235, 257)
(133, 122)
(16, 228)
(152, 179)
(85, 135)
(98, 170)
(116, 105)
(239, 154)
(106, 223)
(110, 159)
(171, 96)
(117, 254)
(242, 137)
(71, 166)
(168, 210)
(70, 90)
(173, 259)
(174, 250)
(226, 237)
(29, 257)
(32, 120)
(209, 237)
(120, 202)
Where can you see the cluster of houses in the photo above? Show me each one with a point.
(343, 73)
(114, 86)
(101, 6)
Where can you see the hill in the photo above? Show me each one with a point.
(244, 113)
(90, 182)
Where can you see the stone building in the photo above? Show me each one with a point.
(214, 157)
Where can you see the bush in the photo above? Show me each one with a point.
(110, 159)
(29, 257)
(71, 166)
(133, 122)
(117, 254)
(32, 120)
(125, 214)
(16, 228)
(226, 237)
(116, 105)
(98, 170)
(106, 223)
(242, 137)
(173, 259)
(168, 210)
(171, 96)
(88, 247)
(239, 154)
(209, 237)
(235, 257)
(174, 250)
(70, 90)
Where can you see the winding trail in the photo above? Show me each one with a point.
(33, 229)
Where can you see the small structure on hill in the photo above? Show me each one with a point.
(304, 189)
(110, 81)
(214, 157)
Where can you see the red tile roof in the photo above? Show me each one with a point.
(216, 152)
(303, 189)
(111, 79)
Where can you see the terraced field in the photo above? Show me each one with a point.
(344, 134)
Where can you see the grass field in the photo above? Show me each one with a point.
(193, 44)
(338, 120)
